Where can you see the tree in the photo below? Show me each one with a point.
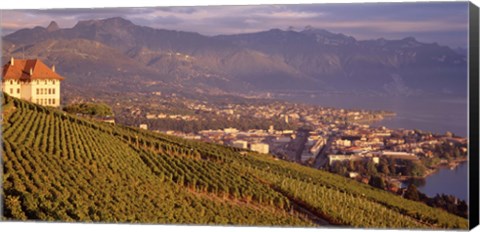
(92, 109)
(377, 182)
(371, 169)
(456, 152)
(415, 169)
(392, 167)
(338, 167)
(351, 166)
(412, 193)
(383, 168)
(361, 168)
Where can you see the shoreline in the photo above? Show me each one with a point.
(451, 165)
(430, 171)
(371, 121)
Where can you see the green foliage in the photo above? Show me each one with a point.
(415, 168)
(208, 122)
(64, 168)
(384, 169)
(14, 208)
(346, 208)
(377, 182)
(412, 193)
(91, 109)
(371, 168)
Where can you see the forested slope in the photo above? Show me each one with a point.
(58, 167)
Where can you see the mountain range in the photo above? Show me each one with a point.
(115, 54)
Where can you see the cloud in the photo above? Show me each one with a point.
(396, 26)
(182, 10)
(446, 20)
(157, 21)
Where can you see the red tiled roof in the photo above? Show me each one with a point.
(20, 70)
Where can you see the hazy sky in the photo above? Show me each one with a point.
(444, 22)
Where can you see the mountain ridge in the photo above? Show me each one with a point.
(311, 59)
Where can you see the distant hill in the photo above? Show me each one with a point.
(312, 59)
(58, 167)
(401, 67)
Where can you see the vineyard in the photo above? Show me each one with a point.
(59, 167)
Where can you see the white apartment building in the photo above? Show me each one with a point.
(260, 147)
(33, 81)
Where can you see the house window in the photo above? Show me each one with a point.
(11, 82)
(38, 101)
(18, 90)
(41, 91)
(11, 91)
(53, 91)
(49, 91)
(45, 81)
(53, 81)
(49, 101)
(41, 101)
(38, 92)
(37, 82)
(53, 101)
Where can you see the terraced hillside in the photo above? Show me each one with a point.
(58, 167)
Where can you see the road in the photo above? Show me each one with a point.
(295, 148)
(299, 144)
(322, 158)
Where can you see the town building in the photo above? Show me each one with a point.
(283, 139)
(334, 158)
(240, 144)
(353, 175)
(230, 130)
(260, 147)
(271, 129)
(396, 155)
(343, 143)
(33, 81)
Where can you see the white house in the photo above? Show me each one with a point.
(33, 81)
(260, 147)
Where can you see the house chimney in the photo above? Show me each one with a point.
(53, 68)
(31, 71)
(12, 61)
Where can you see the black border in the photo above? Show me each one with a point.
(474, 116)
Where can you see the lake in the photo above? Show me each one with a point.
(452, 182)
(435, 114)
(439, 115)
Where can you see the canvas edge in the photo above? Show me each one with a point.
(473, 115)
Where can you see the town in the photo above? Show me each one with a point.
(337, 140)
